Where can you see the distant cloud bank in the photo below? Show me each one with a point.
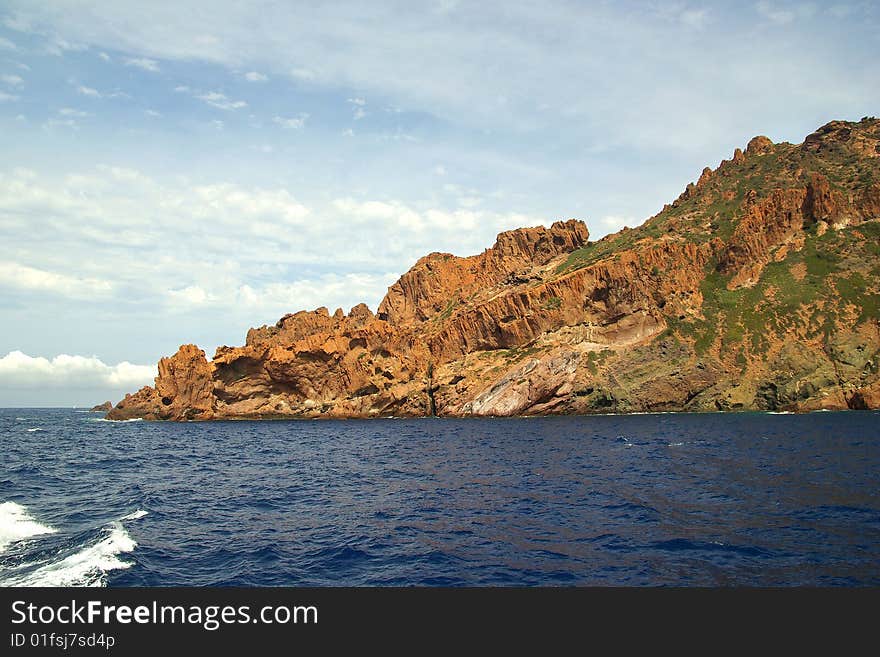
(18, 370)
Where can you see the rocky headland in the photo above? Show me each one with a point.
(757, 289)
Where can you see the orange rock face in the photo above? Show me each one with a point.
(678, 314)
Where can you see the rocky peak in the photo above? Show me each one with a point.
(863, 137)
(540, 244)
(758, 145)
(437, 282)
(292, 327)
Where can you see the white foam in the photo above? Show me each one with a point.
(87, 567)
(17, 524)
(103, 419)
(675, 444)
(134, 515)
(35, 429)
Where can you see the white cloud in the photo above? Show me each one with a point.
(433, 221)
(220, 101)
(293, 122)
(348, 132)
(227, 199)
(22, 277)
(254, 76)
(182, 88)
(12, 80)
(18, 370)
(8, 98)
(104, 56)
(69, 111)
(6, 44)
(143, 63)
(91, 92)
(359, 111)
(153, 113)
(192, 295)
(774, 13)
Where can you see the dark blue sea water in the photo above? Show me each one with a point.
(676, 499)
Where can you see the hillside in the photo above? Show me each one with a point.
(758, 288)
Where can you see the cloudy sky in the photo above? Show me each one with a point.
(178, 172)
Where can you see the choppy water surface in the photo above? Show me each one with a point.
(677, 499)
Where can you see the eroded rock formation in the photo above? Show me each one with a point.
(756, 289)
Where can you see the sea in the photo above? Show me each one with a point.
(742, 499)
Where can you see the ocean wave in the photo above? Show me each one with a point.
(35, 429)
(103, 419)
(86, 567)
(17, 524)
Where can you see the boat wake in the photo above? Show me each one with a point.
(17, 524)
(34, 554)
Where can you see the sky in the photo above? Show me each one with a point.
(179, 172)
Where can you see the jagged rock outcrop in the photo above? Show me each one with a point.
(440, 281)
(102, 408)
(758, 288)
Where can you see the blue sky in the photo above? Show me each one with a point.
(179, 172)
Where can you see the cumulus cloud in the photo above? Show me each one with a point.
(295, 123)
(221, 101)
(15, 275)
(254, 76)
(143, 63)
(18, 370)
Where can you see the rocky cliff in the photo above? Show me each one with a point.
(758, 288)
